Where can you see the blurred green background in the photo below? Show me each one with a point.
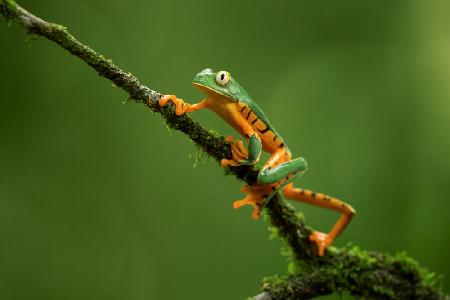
(98, 200)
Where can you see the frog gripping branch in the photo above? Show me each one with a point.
(233, 104)
(363, 274)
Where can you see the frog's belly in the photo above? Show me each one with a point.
(240, 118)
(227, 110)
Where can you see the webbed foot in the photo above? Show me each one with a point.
(322, 240)
(180, 106)
(256, 195)
(238, 152)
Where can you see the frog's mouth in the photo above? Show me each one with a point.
(209, 91)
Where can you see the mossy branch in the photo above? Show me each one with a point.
(361, 273)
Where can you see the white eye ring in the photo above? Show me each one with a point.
(223, 78)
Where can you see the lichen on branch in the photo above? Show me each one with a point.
(371, 275)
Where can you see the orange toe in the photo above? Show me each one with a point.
(238, 152)
(228, 163)
(322, 241)
(229, 139)
(256, 195)
(164, 99)
(180, 106)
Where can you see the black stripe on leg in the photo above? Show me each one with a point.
(264, 130)
(254, 121)
(248, 115)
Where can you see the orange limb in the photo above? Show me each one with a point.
(180, 106)
(238, 152)
(237, 148)
(255, 197)
(323, 240)
(278, 157)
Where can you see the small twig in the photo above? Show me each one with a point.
(361, 273)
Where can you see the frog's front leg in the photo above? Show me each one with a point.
(241, 156)
(238, 152)
(182, 107)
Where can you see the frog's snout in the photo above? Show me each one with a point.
(198, 77)
(207, 71)
(203, 76)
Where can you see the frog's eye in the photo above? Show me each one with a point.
(223, 78)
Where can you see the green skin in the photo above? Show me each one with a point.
(234, 92)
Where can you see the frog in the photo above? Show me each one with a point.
(229, 100)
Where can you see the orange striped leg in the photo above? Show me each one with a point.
(281, 167)
(323, 240)
(180, 106)
(278, 157)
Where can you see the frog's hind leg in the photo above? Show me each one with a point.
(255, 197)
(281, 169)
(322, 240)
(278, 171)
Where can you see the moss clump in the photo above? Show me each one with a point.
(8, 9)
(367, 275)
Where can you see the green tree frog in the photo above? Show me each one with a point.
(226, 97)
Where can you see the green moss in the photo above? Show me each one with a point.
(277, 285)
(363, 274)
(364, 259)
(407, 265)
(8, 9)
(10, 5)
(384, 291)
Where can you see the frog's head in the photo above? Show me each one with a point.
(215, 84)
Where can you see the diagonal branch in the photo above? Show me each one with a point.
(369, 274)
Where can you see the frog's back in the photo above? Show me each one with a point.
(270, 138)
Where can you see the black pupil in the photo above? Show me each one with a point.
(222, 77)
